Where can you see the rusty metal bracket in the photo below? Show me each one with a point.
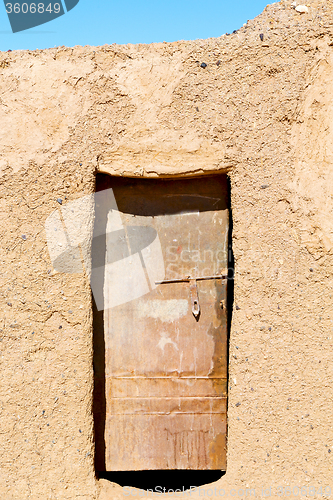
(194, 289)
(197, 278)
(194, 298)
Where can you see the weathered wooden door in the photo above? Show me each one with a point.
(166, 349)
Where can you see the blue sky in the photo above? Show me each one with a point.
(99, 22)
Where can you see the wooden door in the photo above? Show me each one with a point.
(166, 325)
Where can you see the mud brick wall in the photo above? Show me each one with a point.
(261, 110)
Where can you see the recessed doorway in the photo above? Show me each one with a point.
(161, 335)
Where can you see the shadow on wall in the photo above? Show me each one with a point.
(99, 402)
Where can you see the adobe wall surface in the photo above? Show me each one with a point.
(261, 111)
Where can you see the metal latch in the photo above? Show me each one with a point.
(222, 276)
(194, 289)
(194, 298)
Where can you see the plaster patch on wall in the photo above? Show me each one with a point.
(313, 183)
(150, 84)
(38, 124)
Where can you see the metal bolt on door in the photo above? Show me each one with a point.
(166, 348)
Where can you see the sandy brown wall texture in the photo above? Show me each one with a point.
(261, 110)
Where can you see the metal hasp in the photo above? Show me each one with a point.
(193, 290)
(166, 346)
